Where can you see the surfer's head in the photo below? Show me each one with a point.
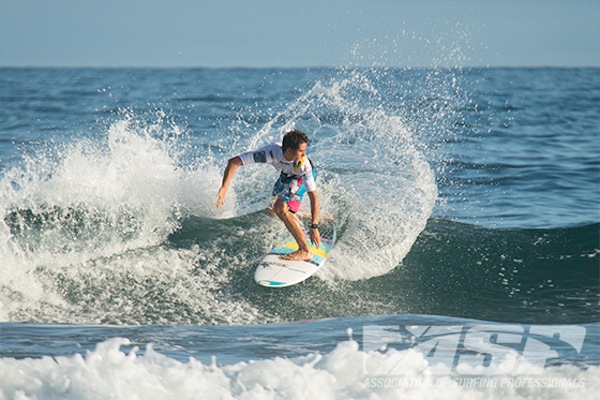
(293, 139)
(294, 145)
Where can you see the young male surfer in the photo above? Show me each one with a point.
(297, 176)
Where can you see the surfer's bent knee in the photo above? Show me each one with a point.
(280, 208)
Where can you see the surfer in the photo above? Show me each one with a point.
(297, 176)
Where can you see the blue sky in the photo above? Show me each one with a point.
(287, 33)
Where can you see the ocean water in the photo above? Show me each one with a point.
(468, 221)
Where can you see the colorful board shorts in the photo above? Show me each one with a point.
(291, 189)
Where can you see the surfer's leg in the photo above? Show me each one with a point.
(293, 226)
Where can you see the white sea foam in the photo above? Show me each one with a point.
(110, 372)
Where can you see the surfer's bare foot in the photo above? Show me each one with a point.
(298, 255)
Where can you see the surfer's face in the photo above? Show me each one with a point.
(297, 154)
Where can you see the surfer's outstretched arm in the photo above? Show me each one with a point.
(232, 166)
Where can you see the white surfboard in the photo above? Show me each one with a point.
(273, 271)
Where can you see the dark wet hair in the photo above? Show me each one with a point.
(293, 139)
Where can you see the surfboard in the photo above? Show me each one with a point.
(273, 271)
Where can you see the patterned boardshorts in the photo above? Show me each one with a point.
(291, 189)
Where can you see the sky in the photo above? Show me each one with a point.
(299, 33)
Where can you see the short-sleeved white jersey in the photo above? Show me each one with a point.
(273, 154)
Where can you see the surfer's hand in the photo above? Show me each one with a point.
(315, 237)
(221, 196)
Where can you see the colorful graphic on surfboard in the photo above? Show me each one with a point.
(273, 271)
